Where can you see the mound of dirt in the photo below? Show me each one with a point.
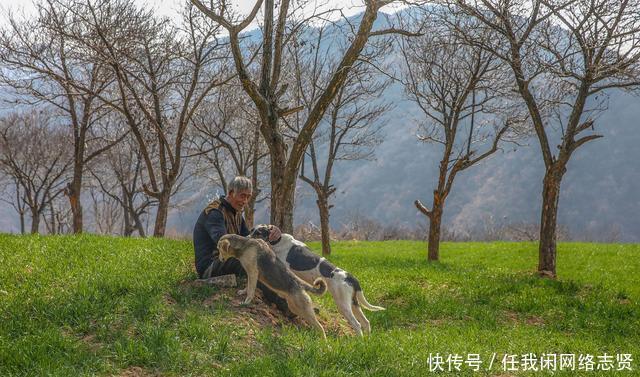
(260, 313)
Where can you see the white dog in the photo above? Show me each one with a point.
(344, 287)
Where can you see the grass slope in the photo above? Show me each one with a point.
(92, 305)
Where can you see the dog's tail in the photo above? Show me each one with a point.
(319, 287)
(358, 295)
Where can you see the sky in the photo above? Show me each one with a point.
(169, 7)
(165, 7)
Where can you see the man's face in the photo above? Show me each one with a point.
(239, 199)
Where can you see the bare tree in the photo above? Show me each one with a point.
(360, 227)
(45, 66)
(58, 217)
(460, 91)
(12, 194)
(163, 73)
(118, 175)
(225, 137)
(351, 127)
(267, 89)
(31, 155)
(524, 231)
(565, 57)
(106, 211)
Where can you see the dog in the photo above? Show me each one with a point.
(260, 263)
(344, 287)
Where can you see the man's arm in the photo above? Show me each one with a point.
(214, 224)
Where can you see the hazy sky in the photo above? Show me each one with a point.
(169, 7)
(165, 7)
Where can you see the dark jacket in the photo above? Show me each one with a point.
(218, 219)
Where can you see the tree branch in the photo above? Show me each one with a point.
(393, 30)
(423, 209)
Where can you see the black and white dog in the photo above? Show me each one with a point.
(308, 266)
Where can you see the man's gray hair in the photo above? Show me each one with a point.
(240, 183)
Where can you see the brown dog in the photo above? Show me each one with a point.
(260, 263)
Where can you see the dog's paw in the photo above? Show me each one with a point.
(247, 301)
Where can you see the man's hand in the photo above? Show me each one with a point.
(274, 233)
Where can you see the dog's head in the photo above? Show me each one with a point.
(225, 247)
(260, 231)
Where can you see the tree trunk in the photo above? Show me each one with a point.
(73, 192)
(435, 223)
(128, 228)
(22, 226)
(249, 211)
(161, 214)
(76, 210)
(548, 221)
(53, 217)
(139, 226)
(248, 215)
(282, 211)
(325, 229)
(282, 192)
(60, 224)
(35, 221)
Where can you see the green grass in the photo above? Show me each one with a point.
(92, 305)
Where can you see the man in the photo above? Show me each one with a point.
(224, 216)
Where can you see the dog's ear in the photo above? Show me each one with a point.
(254, 232)
(223, 246)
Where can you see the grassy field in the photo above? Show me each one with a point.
(94, 305)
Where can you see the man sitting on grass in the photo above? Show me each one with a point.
(224, 216)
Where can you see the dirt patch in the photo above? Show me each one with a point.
(88, 339)
(168, 300)
(91, 342)
(534, 321)
(136, 372)
(437, 322)
(192, 283)
(259, 314)
(258, 311)
(513, 317)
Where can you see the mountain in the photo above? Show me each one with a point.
(600, 195)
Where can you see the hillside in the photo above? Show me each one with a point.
(88, 305)
(600, 193)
